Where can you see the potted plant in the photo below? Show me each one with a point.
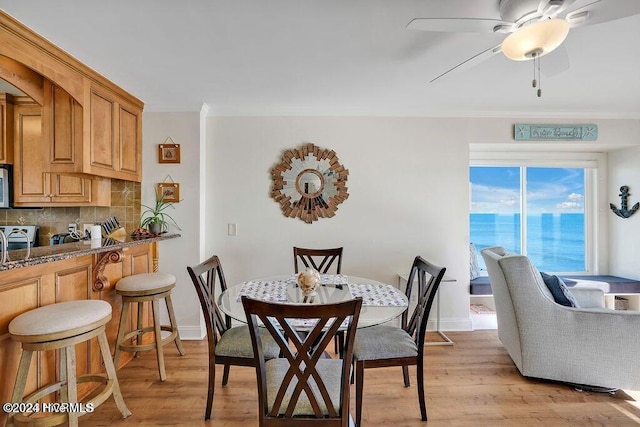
(155, 219)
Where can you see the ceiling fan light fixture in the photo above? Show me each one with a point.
(535, 40)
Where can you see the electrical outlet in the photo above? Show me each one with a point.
(73, 227)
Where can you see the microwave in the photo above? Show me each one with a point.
(5, 186)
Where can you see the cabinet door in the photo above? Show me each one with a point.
(6, 128)
(33, 185)
(70, 189)
(29, 181)
(115, 137)
(62, 130)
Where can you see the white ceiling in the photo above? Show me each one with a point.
(330, 57)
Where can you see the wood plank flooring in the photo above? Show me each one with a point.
(473, 383)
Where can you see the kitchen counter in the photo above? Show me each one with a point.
(45, 254)
(70, 272)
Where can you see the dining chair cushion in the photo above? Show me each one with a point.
(236, 342)
(329, 369)
(383, 342)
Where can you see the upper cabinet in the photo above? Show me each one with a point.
(34, 185)
(115, 136)
(89, 124)
(104, 138)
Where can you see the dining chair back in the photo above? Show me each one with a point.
(385, 346)
(319, 259)
(227, 345)
(302, 387)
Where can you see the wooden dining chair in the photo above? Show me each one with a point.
(321, 260)
(318, 259)
(227, 345)
(384, 345)
(302, 388)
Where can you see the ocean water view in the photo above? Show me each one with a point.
(555, 241)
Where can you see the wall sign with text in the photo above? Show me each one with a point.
(541, 132)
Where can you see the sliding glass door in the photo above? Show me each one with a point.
(536, 211)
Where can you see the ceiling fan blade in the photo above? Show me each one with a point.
(459, 25)
(598, 11)
(471, 62)
(555, 62)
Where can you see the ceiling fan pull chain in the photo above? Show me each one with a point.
(539, 80)
(534, 82)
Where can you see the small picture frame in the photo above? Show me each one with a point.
(169, 192)
(169, 153)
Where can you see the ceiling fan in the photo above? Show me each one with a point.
(532, 28)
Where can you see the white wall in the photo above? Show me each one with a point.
(624, 234)
(176, 254)
(408, 188)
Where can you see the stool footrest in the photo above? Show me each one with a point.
(149, 346)
(61, 418)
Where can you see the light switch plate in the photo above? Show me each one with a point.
(232, 229)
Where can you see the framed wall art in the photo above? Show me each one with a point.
(169, 152)
(169, 192)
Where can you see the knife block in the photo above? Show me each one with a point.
(118, 234)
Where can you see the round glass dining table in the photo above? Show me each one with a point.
(381, 302)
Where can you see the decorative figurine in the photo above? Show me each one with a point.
(624, 212)
(308, 280)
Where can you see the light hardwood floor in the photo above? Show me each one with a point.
(473, 383)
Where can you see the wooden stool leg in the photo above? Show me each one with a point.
(111, 374)
(21, 381)
(139, 326)
(63, 374)
(72, 384)
(155, 307)
(174, 325)
(122, 328)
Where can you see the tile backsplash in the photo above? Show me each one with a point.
(125, 204)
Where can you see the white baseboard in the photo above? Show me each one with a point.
(192, 333)
(451, 324)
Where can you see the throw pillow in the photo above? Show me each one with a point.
(559, 290)
(474, 269)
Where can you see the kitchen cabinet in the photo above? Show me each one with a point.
(90, 125)
(115, 136)
(26, 288)
(103, 138)
(6, 128)
(34, 186)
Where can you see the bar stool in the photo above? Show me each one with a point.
(141, 288)
(62, 326)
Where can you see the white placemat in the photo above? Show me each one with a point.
(325, 279)
(376, 295)
(272, 290)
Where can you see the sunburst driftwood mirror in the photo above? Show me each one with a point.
(309, 183)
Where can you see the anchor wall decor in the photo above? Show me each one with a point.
(624, 212)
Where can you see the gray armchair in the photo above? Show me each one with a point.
(590, 345)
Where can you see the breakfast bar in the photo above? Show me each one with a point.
(72, 271)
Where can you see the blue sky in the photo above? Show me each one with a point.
(549, 190)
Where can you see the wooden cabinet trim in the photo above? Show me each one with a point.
(37, 53)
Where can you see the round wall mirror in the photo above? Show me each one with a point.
(309, 183)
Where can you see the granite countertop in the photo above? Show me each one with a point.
(44, 254)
